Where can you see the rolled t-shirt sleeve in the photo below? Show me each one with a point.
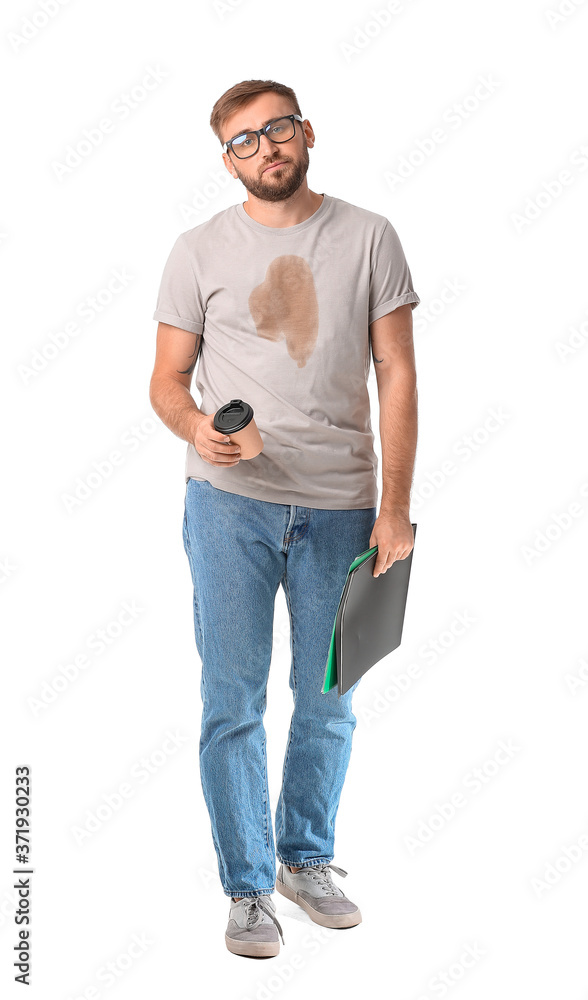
(390, 277)
(179, 301)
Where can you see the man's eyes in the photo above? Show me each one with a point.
(246, 140)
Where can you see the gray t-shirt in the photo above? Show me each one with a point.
(284, 316)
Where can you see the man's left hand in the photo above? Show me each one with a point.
(393, 534)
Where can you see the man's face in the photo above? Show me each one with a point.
(279, 182)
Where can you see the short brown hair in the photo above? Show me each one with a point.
(240, 95)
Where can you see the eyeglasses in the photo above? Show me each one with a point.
(247, 144)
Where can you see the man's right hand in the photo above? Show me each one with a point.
(211, 445)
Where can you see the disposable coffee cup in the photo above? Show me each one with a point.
(236, 420)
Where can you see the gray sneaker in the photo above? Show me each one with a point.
(253, 928)
(314, 890)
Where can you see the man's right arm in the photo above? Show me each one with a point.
(176, 354)
(169, 390)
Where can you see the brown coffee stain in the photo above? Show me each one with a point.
(285, 306)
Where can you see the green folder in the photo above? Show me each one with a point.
(331, 670)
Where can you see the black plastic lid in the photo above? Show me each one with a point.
(233, 416)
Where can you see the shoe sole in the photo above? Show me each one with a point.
(253, 949)
(325, 919)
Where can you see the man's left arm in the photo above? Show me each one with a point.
(393, 352)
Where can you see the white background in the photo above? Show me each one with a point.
(481, 211)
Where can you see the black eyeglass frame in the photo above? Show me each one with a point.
(258, 132)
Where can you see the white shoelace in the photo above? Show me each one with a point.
(253, 905)
(324, 877)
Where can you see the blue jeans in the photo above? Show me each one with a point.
(240, 550)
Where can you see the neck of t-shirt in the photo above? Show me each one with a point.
(259, 227)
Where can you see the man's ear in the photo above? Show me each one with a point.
(229, 165)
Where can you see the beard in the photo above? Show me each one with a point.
(284, 182)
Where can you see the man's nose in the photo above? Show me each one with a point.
(271, 144)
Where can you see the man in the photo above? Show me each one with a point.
(280, 297)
